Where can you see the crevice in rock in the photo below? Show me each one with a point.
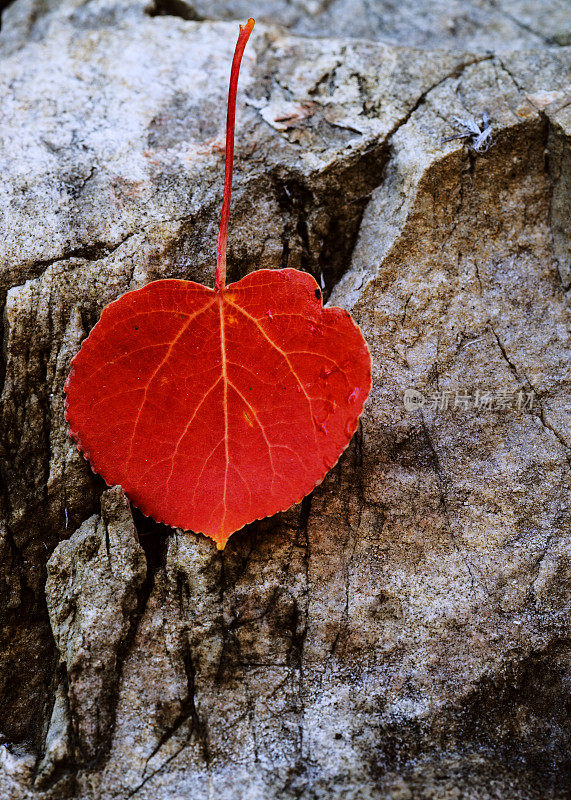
(151, 775)
(300, 623)
(4, 5)
(558, 436)
(190, 710)
(170, 731)
(322, 219)
(300, 619)
(25, 678)
(455, 73)
(57, 767)
(499, 61)
(537, 398)
(33, 270)
(91, 252)
(153, 538)
(507, 359)
(174, 8)
(558, 170)
(295, 200)
(25, 687)
(441, 483)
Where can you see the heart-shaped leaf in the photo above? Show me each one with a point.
(212, 409)
(215, 407)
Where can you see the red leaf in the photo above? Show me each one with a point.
(212, 409)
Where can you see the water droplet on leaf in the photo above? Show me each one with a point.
(325, 372)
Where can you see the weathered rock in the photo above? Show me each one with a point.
(403, 632)
(58, 749)
(92, 589)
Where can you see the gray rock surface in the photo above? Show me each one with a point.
(404, 632)
(94, 581)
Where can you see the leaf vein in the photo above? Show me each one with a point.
(285, 357)
(162, 363)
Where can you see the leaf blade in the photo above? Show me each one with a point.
(252, 397)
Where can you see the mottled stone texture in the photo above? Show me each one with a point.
(404, 632)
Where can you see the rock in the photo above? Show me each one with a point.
(58, 750)
(440, 24)
(92, 590)
(403, 632)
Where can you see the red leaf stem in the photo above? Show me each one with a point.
(243, 36)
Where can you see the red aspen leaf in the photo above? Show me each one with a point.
(216, 407)
(212, 409)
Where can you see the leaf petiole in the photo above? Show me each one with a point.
(243, 36)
